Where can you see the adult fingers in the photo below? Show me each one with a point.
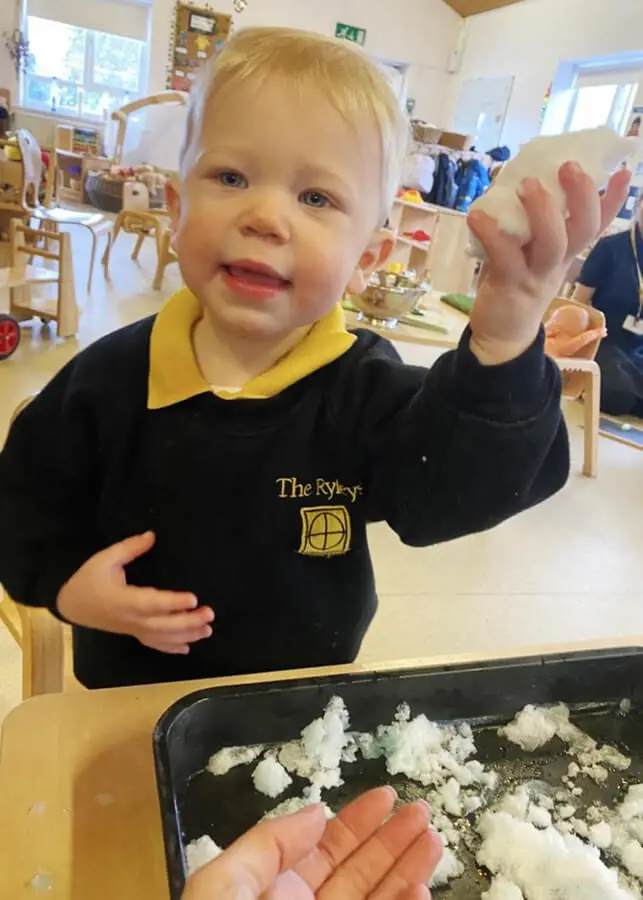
(584, 208)
(614, 197)
(130, 549)
(345, 833)
(548, 246)
(152, 602)
(362, 872)
(250, 866)
(504, 253)
(414, 868)
(417, 892)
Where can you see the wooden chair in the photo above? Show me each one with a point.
(21, 276)
(122, 116)
(166, 255)
(40, 636)
(52, 219)
(152, 223)
(581, 377)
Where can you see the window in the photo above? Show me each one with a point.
(80, 72)
(602, 98)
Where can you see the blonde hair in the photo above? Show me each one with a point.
(355, 86)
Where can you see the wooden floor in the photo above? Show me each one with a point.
(568, 570)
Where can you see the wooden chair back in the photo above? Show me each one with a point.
(121, 116)
(49, 246)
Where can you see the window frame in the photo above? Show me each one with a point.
(118, 96)
(624, 97)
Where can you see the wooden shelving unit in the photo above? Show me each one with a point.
(444, 256)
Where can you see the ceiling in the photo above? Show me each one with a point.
(473, 7)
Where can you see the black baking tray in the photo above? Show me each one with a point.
(194, 803)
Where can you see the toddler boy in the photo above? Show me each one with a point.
(192, 491)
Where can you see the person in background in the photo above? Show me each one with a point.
(612, 281)
(365, 853)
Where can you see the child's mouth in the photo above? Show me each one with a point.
(254, 279)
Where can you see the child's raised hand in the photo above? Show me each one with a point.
(98, 596)
(518, 283)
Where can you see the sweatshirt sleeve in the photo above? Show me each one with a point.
(46, 494)
(460, 447)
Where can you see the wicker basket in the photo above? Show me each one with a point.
(105, 192)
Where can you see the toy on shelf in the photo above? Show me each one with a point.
(410, 196)
(568, 331)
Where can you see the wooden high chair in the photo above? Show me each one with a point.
(22, 275)
(39, 634)
(582, 378)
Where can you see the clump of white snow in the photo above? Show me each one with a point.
(200, 852)
(230, 757)
(270, 777)
(447, 869)
(432, 754)
(294, 804)
(318, 755)
(534, 727)
(501, 889)
(544, 863)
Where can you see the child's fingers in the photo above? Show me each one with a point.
(583, 204)
(504, 253)
(180, 622)
(185, 636)
(130, 549)
(150, 601)
(548, 246)
(165, 647)
(615, 196)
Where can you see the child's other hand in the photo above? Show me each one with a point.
(98, 596)
(518, 283)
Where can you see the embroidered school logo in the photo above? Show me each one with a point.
(326, 531)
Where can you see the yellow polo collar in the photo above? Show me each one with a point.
(174, 374)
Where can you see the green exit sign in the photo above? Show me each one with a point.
(350, 33)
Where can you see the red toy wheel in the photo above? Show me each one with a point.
(9, 336)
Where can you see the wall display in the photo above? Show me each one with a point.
(198, 32)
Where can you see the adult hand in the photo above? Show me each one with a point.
(98, 596)
(519, 282)
(362, 854)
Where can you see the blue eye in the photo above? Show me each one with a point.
(315, 199)
(233, 179)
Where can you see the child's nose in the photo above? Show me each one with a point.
(266, 218)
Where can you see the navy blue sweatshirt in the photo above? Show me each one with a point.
(260, 506)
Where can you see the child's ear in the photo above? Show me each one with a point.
(173, 200)
(373, 258)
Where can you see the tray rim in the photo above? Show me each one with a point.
(167, 797)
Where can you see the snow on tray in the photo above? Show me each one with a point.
(537, 840)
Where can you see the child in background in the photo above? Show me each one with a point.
(192, 491)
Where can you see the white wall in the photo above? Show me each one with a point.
(530, 39)
(418, 32)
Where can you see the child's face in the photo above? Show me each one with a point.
(278, 212)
